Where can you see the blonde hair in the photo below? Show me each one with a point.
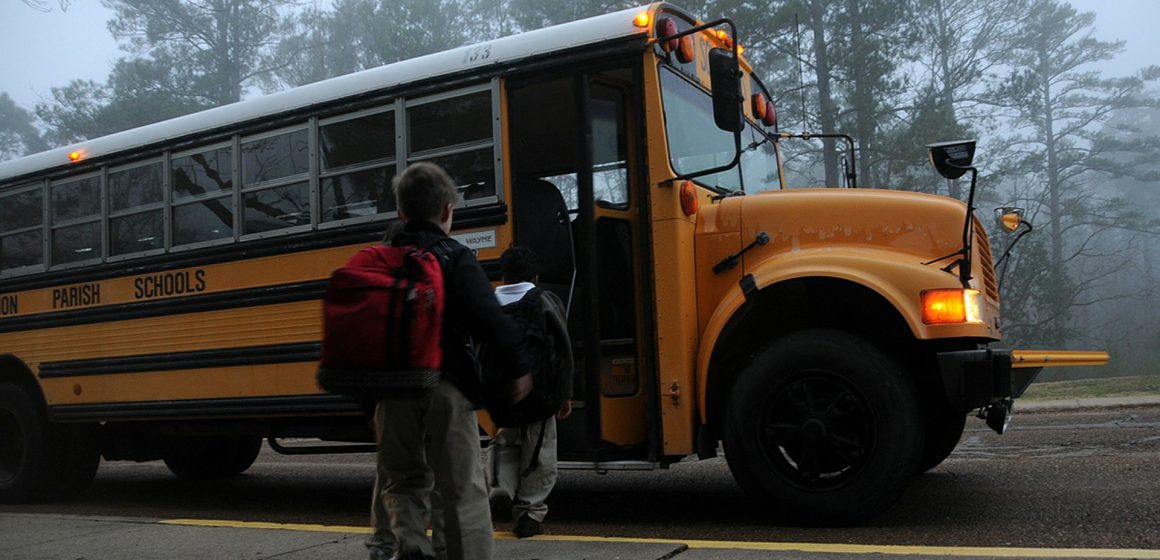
(423, 190)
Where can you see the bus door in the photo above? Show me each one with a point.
(575, 195)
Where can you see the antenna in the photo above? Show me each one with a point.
(797, 29)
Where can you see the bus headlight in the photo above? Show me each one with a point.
(952, 306)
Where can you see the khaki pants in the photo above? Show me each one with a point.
(431, 443)
(509, 456)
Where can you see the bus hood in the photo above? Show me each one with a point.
(926, 226)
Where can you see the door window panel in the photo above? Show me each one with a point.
(609, 146)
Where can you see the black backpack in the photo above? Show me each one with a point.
(549, 350)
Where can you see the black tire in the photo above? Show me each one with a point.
(39, 460)
(825, 426)
(205, 458)
(944, 429)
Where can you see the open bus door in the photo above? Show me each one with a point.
(576, 204)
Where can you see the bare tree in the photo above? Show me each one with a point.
(1058, 105)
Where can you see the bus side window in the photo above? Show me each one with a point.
(457, 134)
(21, 234)
(275, 182)
(205, 179)
(357, 160)
(76, 220)
(136, 200)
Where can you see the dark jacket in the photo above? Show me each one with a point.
(470, 311)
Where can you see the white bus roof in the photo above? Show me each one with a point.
(503, 50)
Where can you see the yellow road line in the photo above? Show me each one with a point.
(820, 548)
(265, 525)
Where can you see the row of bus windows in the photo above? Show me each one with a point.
(283, 182)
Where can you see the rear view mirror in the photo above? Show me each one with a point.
(1009, 218)
(952, 159)
(726, 83)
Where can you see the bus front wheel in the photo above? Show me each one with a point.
(944, 429)
(40, 460)
(204, 458)
(825, 426)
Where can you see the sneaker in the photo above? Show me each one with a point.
(377, 553)
(501, 505)
(527, 527)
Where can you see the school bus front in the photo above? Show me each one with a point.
(833, 340)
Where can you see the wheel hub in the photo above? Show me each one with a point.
(814, 430)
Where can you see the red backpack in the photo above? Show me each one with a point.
(382, 323)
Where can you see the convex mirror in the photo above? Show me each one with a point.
(1009, 217)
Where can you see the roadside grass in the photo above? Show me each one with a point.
(1144, 385)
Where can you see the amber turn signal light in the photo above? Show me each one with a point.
(947, 306)
(690, 204)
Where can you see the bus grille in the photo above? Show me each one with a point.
(983, 250)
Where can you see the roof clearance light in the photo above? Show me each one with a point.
(642, 19)
(666, 28)
(951, 306)
(725, 38)
(759, 106)
(690, 204)
(770, 118)
(76, 155)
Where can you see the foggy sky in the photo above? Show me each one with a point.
(39, 51)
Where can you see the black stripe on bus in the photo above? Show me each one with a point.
(465, 218)
(254, 406)
(250, 297)
(227, 357)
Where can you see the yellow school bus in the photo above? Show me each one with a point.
(160, 288)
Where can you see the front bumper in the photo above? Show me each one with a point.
(979, 378)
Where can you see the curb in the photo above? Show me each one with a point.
(1070, 404)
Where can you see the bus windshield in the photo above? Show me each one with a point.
(695, 142)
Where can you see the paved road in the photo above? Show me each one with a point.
(1064, 479)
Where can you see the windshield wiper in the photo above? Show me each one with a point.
(723, 193)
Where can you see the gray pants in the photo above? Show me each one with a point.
(509, 456)
(431, 443)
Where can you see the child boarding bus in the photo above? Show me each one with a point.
(160, 287)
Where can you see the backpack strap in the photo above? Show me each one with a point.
(536, 452)
(438, 247)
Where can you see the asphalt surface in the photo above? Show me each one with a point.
(51, 537)
(1071, 479)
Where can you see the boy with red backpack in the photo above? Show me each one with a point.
(429, 434)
